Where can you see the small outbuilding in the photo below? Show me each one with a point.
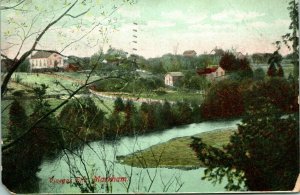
(172, 77)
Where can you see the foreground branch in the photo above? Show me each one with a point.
(17, 63)
(7, 146)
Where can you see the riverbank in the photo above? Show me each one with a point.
(175, 153)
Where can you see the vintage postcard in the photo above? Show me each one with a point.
(149, 96)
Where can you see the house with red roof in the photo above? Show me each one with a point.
(212, 73)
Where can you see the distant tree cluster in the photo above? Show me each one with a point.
(224, 100)
(260, 58)
(173, 63)
(82, 119)
(151, 117)
(233, 64)
(193, 81)
(230, 98)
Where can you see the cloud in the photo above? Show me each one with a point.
(280, 23)
(195, 19)
(178, 15)
(236, 16)
(129, 13)
(259, 24)
(159, 24)
(210, 27)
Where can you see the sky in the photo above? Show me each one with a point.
(173, 26)
(201, 25)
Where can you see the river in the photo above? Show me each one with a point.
(98, 154)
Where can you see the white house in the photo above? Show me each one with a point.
(172, 77)
(46, 60)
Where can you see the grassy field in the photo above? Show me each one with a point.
(104, 105)
(78, 76)
(36, 79)
(175, 153)
(14, 87)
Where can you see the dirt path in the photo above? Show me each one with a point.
(134, 99)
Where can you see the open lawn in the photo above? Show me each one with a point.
(55, 85)
(77, 76)
(14, 87)
(176, 153)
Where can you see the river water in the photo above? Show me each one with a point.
(100, 158)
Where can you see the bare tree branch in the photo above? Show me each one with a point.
(78, 14)
(5, 147)
(6, 57)
(91, 30)
(2, 8)
(26, 54)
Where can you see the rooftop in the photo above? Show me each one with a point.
(175, 74)
(41, 54)
(189, 53)
(207, 70)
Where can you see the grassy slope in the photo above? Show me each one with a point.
(36, 79)
(176, 96)
(176, 152)
(105, 105)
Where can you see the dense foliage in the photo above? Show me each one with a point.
(262, 154)
(237, 65)
(223, 100)
(81, 120)
(230, 98)
(275, 68)
(21, 162)
(17, 120)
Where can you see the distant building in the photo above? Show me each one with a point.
(172, 77)
(212, 73)
(239, 55)
(72, 68)
(189, 53)
(44, 60)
